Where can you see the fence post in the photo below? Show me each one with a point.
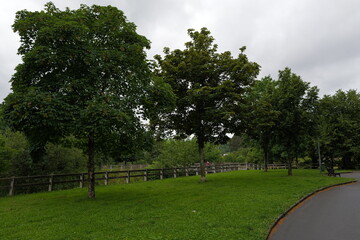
(197, 171)
(51, 178)
(81, 180)
(146, 175)
(161, 174)
(214, 167)
(174, 172)
(187, 172)
(12, 187)
(106, 177)
(128, 177)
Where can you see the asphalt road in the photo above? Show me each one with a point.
(333, 214)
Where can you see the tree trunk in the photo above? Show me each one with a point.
(332, 162)
(346, 162)
(266, 159)
(201, 146)
(290, 166)
(91, 166)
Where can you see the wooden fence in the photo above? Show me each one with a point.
(31, 184)
(125, 166)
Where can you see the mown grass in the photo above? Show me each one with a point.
(233, 205)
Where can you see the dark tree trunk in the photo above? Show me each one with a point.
(266, 158)
(332, 162)
(314, 155)
(201, 146)
(37, 153)
(91, 166)
(290, 166)
(346, 162)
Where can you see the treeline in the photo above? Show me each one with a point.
(86, 87)
(333, 125)
(289, 122)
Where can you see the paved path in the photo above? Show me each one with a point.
(329, 215)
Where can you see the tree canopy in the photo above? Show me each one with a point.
(83, 73)
(339, 128)
(296, 101)
(209, 88)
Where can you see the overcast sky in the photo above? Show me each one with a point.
(318, 39)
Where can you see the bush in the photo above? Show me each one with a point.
(182, 153)
(14, 154)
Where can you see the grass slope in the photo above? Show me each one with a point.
(233, 205)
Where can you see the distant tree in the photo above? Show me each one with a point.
(234, 143)
(14, 154)
(83, 73)
(339, 128)
(296, 102)
(183, 153)
(209, 87)
(263, 116)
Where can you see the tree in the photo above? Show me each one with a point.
(339, 128)
(83, 73)
(262, 116)
(183, 153)
(296, 101)
(209, 87)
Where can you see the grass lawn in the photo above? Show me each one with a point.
(232, 205)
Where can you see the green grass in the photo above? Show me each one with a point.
(233, 205)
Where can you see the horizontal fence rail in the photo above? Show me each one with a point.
(41, 183)
(125, 166)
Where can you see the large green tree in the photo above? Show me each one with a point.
(83, 73)
(296, 102)
(209, 87)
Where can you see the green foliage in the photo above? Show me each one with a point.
(282, 116)
(5, 154)
(339, 128)
(296, 101)
(14, 154)
(15, 157)
(209, 88)
(159, 101)
(243, 149)
(263, 115)
(84, 73)
(182, 153)
(234, 205)
(60, 159)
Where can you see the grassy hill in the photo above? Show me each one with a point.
(232, 205)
